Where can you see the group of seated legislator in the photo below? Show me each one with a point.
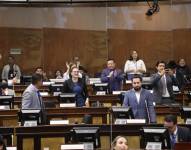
(138, 98)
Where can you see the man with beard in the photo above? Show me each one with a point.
(140, 100)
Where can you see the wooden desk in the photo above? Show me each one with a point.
(101, 112)
(7, 133)
(112, 99)
(182, 146)
(63, 131)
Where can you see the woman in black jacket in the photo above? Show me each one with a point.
(78, 86)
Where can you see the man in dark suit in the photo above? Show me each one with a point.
(140, 100)
(180, 78)
(177, 133)
(162, 83)
(112, 76)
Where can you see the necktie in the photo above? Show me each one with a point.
(173, 140)
(163, 80)
(40, 100)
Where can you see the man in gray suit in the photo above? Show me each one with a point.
(140, 100)
(162, 83)
(31, 96)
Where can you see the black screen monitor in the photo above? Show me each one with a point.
(30, 115)
(56, 89)
(155, 134)
(67, 98)
(122, 113)
(7, 101)
(101, 87)
(185, 113)
(26, 79)
(86, 134)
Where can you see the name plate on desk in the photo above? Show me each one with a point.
(30, 123)
(4, 107)
(68, 105)
(85, 146)
(44, 93)
(154, 146)
(188, 121)
(136, 121)
(121, 121)
(57, 122)
(11, 148)
(101, 93)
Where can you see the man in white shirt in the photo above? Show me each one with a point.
(162, 83)
(140, 100)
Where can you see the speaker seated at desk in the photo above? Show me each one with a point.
(155, 138)
(30, 117)
(6, 102)
(26, 79)
(86, 135)
(123, 115)
(56, 89)
(186, 114)
(67, 100)
(101, 88)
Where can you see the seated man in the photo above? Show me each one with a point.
(177, 133)
(112, 76)
(162, 83)
(140, 100)
(40, 71)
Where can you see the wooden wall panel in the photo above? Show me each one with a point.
(182, 44)
(150, 45)
(62, 45)
(30, 43)
(51, 48)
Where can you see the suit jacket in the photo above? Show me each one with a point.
(31, 99)
(157, 86)
(115, 81)
(69, 84)
(5, 72)
(184, 134)
(144, 109)
(181, 80)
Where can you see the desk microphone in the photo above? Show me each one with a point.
(147, 109)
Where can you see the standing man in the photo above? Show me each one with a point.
(112, 76)
(177, 133)
(11, 70)
(140, 100)
(31, 97)
(162, 83)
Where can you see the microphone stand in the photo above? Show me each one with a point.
(147, 109)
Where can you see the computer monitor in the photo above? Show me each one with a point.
(186, 114)
(7, 102)
(56, 89)
(146, 83)
(122, 113)
(67, 99)
(158, 135)
(26, 79)
(101, 88)
(30, 117)
(86, 134)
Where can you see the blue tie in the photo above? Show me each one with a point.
(40, 100)
(173, 140)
